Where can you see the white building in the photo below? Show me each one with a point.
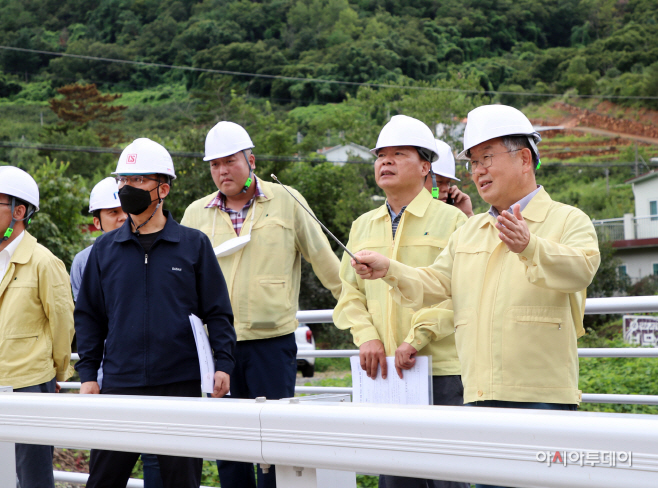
(635, 237)
(339, 155)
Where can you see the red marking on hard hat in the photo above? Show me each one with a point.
(132, 159)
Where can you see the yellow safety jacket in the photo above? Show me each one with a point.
(263, 277)
(36, 317)
(366, 307)
(517, 316)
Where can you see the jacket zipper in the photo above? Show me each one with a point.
(146, 317)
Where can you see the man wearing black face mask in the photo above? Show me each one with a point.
(141, 283)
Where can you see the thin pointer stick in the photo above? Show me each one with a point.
(316, 219)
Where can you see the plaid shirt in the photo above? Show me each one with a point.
(395, 219)
(237, 216)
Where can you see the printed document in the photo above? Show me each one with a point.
(415, 387)
(206, 361)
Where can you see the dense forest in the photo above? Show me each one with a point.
(604, 47)
(305, 74)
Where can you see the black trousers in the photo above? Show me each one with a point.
(446, 390)
(112, 469)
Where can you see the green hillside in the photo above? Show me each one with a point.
(305, 74)
(592, 46)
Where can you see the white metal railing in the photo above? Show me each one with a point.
(609, 229)
(587, 352)
(594, 306)
(627, 228)
(646, 227)
(481, 445)
(613, 305)
(319, 446)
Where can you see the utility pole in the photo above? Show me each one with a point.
(607, 181)
(637, 167)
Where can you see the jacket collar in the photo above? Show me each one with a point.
(537, 209)
(25, 248)
(417, 207)
(266, 188)
(170, 232)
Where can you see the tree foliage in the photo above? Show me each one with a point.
(555, 45)
(58, 223)
(83, 105)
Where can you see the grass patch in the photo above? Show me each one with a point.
(159, 95)
(332, 364)
(621, 376)
(345, 381)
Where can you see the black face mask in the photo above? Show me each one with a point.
(133, 200)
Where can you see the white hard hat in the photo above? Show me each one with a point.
(104, 195)
(225, 139)
(406, 131)
(491, 121)
(145, 157)
(445, 166)
(17, 183)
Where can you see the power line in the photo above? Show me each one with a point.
(178, 154)
(198, 155)
(320, 80)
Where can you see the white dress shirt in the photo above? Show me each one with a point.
(7, 253)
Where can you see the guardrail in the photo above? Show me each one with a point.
(587, 352)
(424, 449)
(613, 305)
(593, 306)
(481, 445)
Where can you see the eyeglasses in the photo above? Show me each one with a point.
(487, 161)
(133, 180)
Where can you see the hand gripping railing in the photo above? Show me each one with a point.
(481, 445)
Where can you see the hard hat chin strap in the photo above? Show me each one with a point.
(533, 145)
(10, 229)
(247, 183)
(435, 189)
(147, 220)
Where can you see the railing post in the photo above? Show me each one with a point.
(7, 456)
(298, 477)
(629, 227)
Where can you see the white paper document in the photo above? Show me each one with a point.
(415, 387)
(206, 362)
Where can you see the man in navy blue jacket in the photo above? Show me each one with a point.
(141, 283)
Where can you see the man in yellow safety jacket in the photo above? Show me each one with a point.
(260, 235)
(413, 228)
(517, 275)
(36, 314)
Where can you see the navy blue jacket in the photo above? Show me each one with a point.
(138, 305)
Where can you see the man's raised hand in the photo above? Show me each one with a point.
(513, 229)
